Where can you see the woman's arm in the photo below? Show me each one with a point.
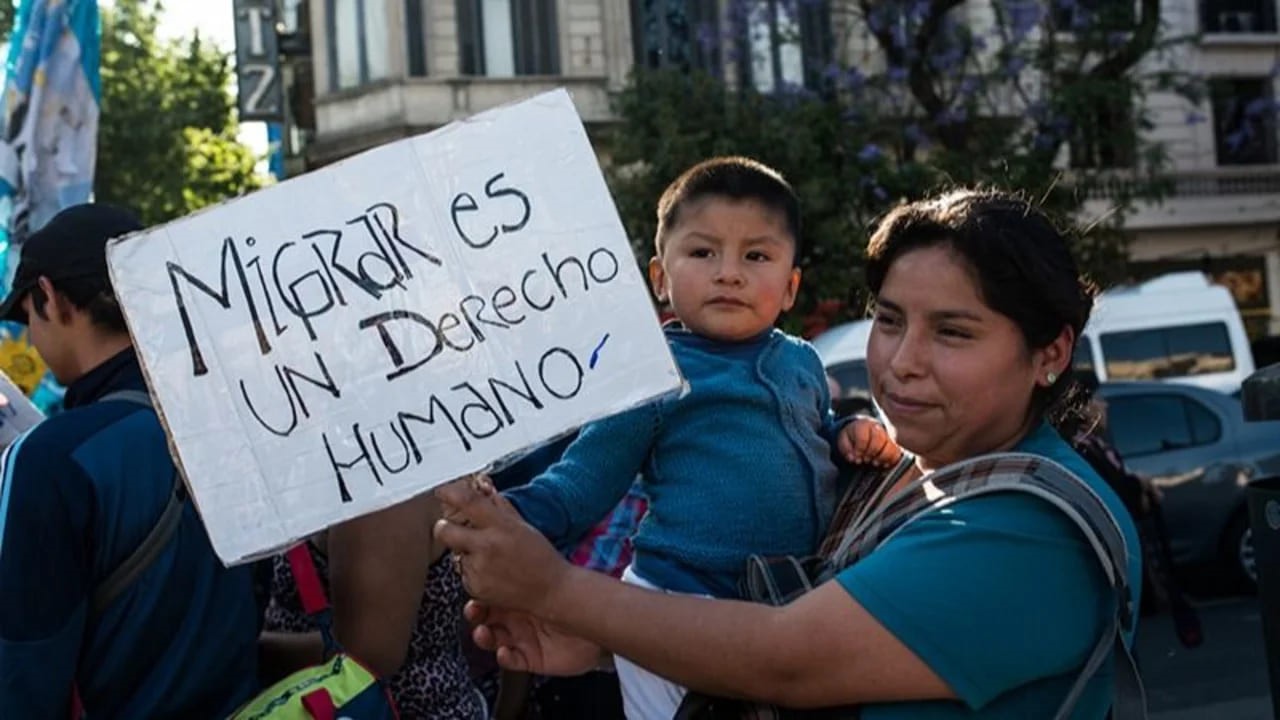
(513, 695)
(821, 650)
(281, 654)
(824, 649)
(377, 569)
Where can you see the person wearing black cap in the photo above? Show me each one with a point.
(111, 598)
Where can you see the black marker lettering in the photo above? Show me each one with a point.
(393, 350)
(482, 406)
(222, 296)
(528, 395)
(524, 290)
(338, 466)
(543, 372)
(502, 192)
(328, 271)
(293, 409)
(386, 214)
(469, 206)
(557, 270)
(256, 264)
(478, 316)
(613, 265)
(327, 385)
(404, 447)
(448, 322)
(498, 305)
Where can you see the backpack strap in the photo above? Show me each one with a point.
(311, 594)
(156, 540)
(1049, 481)
(307, 579)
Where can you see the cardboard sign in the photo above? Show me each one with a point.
(355, 336)
(17, 413)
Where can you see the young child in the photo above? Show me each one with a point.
(743, 463)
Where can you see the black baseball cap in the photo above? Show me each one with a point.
(71, 245)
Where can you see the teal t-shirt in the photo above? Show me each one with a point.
(1001, 596)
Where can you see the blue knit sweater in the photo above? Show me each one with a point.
(742, 464)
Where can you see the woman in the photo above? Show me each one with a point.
(397, 612)
(985, 609)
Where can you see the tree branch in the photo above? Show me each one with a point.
(922, 86)
(919, 79)
(1138, 44)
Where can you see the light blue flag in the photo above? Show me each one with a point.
(48, 127)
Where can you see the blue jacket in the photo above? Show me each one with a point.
(80, 491)
(740, 465)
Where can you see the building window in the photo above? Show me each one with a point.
(1104, 136)
(504, 38)
(682, 34)
(787, 43)
(1079, 15)
(1238, 16)
(415, 36)
(357, 53)
(1244, 121)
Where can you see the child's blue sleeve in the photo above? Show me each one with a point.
(831, 425)
(594, 473)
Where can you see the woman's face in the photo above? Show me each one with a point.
(953, 377)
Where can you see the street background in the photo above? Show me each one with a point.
(1223, 679)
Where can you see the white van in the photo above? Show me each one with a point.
(1175, 327)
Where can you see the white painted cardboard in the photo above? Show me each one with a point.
(353, 337)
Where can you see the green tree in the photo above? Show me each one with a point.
(7, 13)
(1046, 98)
(167, 137)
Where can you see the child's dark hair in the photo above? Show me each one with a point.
(1019, 258)
(735, 178)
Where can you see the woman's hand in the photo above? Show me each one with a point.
(525, 643)
(503, 561)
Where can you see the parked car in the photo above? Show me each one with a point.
(843, 350)
(1195, 445)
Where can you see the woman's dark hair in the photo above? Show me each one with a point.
(1078, 416)
(1018, 256)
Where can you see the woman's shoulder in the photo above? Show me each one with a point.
(1045, 442)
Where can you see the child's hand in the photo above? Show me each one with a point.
(866, 441)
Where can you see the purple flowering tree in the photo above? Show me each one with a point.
(861, 103)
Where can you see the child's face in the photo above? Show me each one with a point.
(726, 268)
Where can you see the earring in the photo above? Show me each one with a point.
(1052, 377)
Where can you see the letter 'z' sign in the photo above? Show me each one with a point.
(353, 337)
(261, 96)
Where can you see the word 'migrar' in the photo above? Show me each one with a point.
(303, 279)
